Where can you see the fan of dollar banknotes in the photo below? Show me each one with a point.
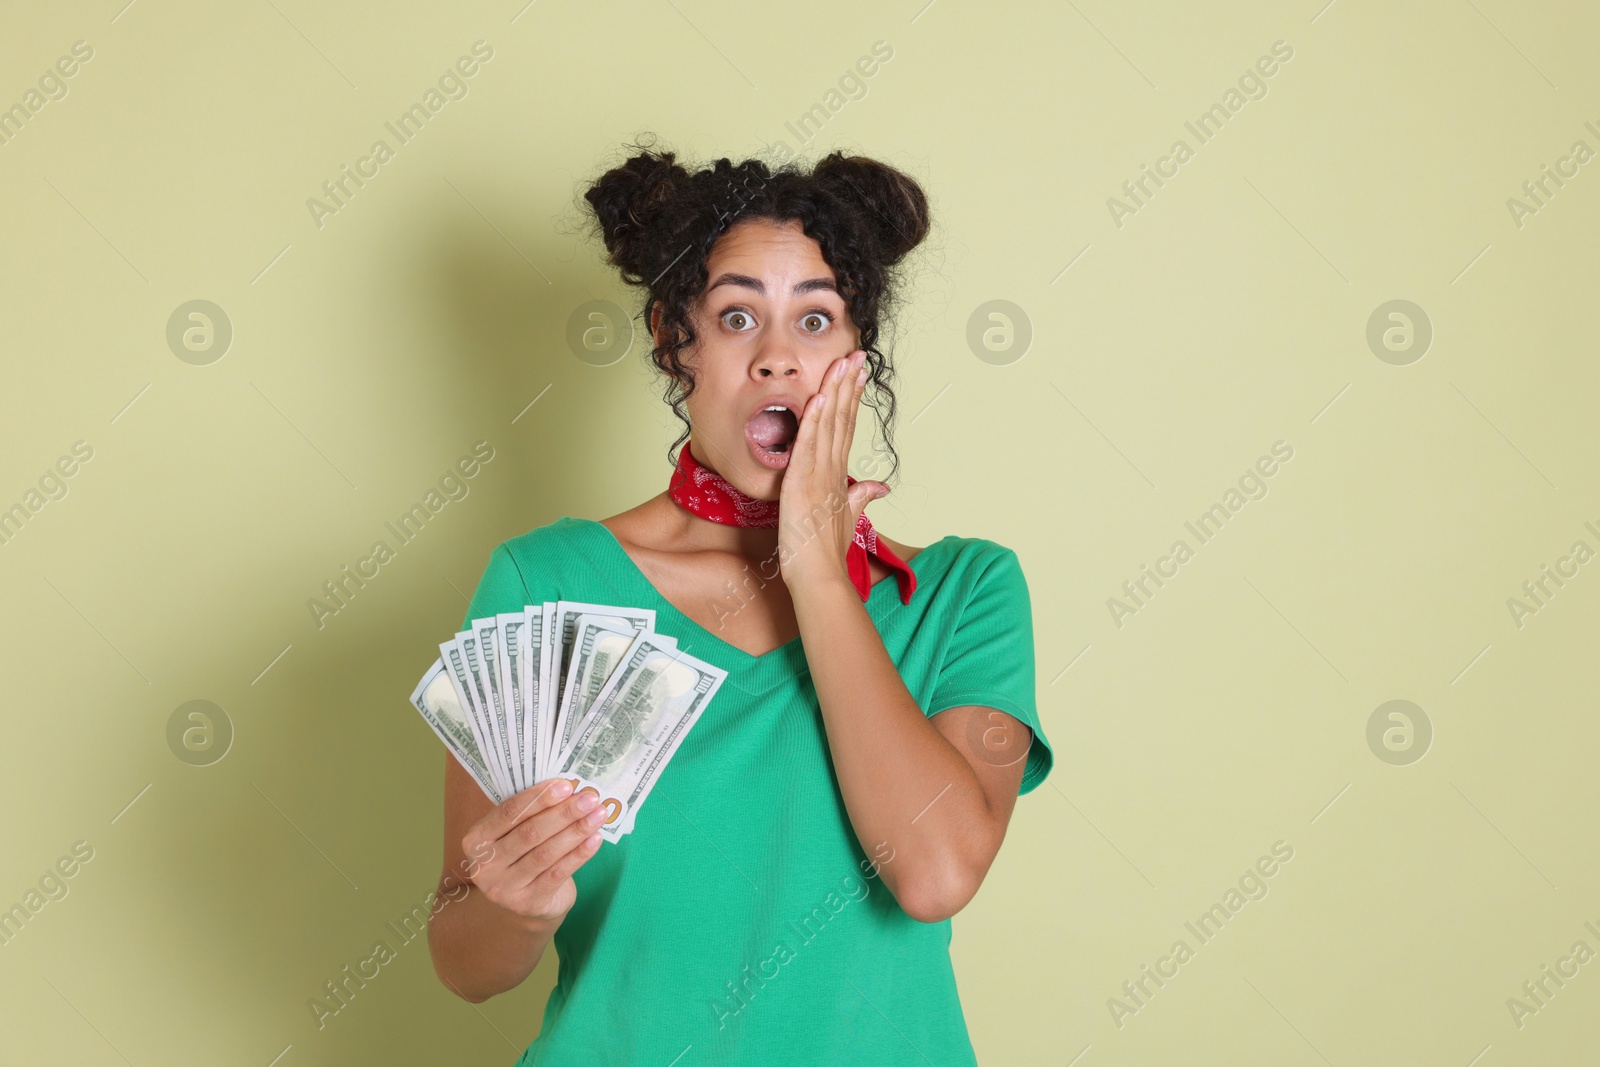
(586, 692)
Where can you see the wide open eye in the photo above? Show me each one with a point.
(737, 319)
(822, 319)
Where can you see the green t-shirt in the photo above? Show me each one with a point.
(741, 922)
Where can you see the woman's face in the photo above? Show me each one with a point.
(768, 326)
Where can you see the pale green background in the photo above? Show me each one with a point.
(1228, 313)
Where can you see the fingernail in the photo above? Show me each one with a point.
(861, 379)
(588, 802)
(561, 789)
(595, 818)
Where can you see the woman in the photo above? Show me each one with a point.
(785, 897)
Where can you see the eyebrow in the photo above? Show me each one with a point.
(810, 285)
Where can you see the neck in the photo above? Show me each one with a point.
(683, 527)
(703, 456)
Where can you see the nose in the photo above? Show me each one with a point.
(776, 361)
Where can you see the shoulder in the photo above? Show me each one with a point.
(905, 552)
(572, 540)
(964, 570)
(541, 548)
(974, 554)
(521, 570)
(967, 546)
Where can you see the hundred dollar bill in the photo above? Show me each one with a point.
(513, 690)
(550, 691)
(597, 641)
(484, 658)
(602, 642)
(638, 721)
(460, 657)
(435, 697)
(564, 643)
(536, 703)
(566, 621)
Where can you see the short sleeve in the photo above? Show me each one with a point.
(501, 588)
(990, 659)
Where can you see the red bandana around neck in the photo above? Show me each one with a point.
(700, 490)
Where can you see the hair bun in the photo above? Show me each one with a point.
(628, 201)
(892, 201)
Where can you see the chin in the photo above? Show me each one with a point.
(762, 483)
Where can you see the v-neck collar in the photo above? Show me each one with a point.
(754, 674)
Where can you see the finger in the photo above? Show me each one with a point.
(828, 389)
(564, 866)
(535, 830)
(861, 494)
(805, 437)
(531, 867)
(515, 808)
(839, 379)
(852, 405)
(843, 381)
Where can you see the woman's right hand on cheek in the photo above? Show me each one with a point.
(528, 848)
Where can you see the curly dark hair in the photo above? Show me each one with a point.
(660, 221)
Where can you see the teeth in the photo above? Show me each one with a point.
(775, 407)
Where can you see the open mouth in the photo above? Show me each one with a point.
(771, 433)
